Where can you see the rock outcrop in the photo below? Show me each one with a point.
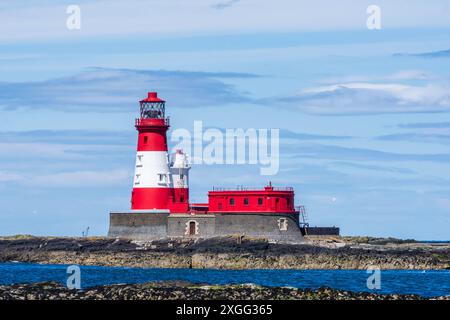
(223, 253)
(186, 291)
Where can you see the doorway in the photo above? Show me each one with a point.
(192, 227)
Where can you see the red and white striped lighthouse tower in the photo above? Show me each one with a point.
(158, 185)
(152, 180)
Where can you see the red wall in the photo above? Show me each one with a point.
(179, 200)
(272, 201)
(152, 134)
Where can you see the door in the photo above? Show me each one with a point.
(192, 228)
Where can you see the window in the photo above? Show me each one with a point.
(282, 224)
(231, 201)
(162, 177)
(246, 201)
(145, 139)
(288, 202)
(260, 201)
(139, 161)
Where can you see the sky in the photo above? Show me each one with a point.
(363, 114)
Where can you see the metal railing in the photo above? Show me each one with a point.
(243, 188)
(302, 215)
(140, 121)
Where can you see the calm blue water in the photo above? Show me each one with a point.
(424, 283)
(434, 241)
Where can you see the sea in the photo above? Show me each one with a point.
(426, 283)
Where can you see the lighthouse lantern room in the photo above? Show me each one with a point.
(152, 107)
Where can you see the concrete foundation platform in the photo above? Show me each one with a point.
(154, 225)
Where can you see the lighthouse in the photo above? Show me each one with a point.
(151, 185)
(160, 183)
(160, 206)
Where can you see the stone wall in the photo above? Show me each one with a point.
(321, 231)
(139, 226)
(275, 227)
(280, 227)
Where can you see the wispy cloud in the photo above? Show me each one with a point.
(425, 125)
(367, 98)
(418, 137)
(69, 179)
(371, 167)
(331, 152)
(431, 54)
(81, 179)
(224, 4)
(23, 151)
(70, 137)
(117, 90)
(119, 17)
(402, 75)
(288, 134)
(9, 176)
(66, 158)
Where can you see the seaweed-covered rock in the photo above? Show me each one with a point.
(186, 291)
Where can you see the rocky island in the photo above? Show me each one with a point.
(229, 253)
(187, 291)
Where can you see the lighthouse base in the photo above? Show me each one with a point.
(138, 225)
(154, 225)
